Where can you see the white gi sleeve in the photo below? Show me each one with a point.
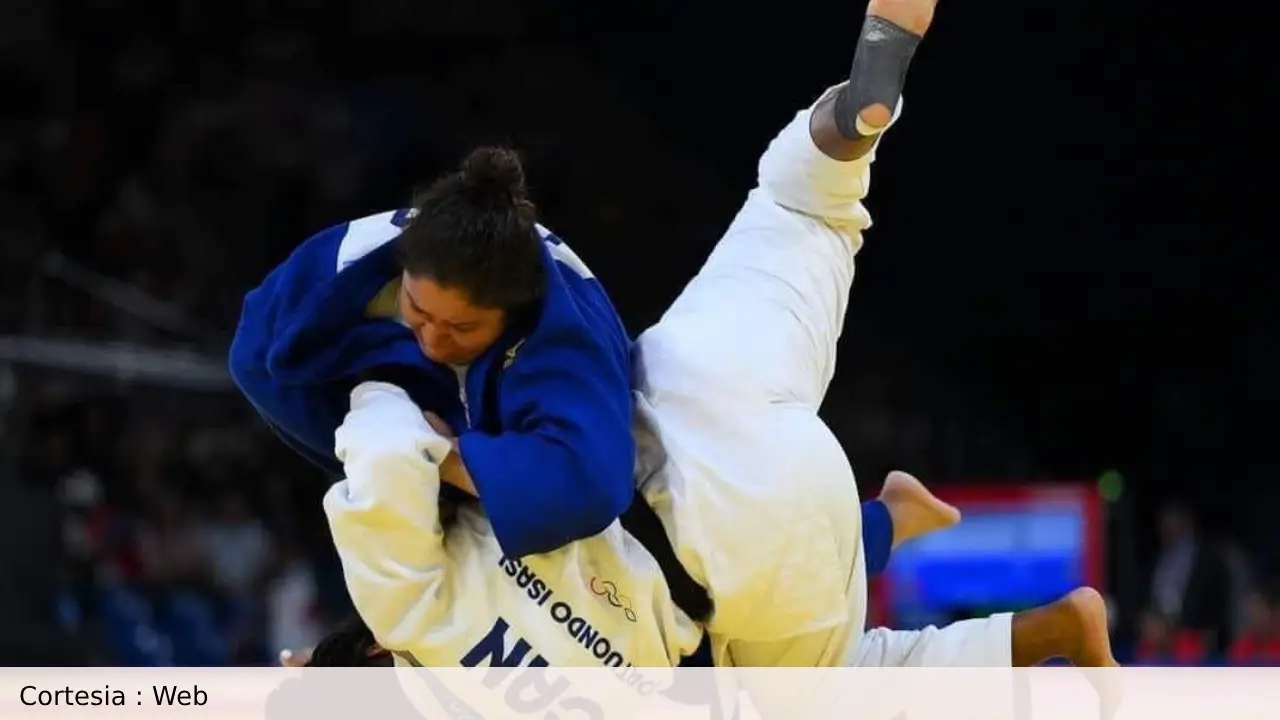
(385, 516)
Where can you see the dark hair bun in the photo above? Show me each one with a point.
(494, 172)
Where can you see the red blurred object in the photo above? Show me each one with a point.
(978, 497)
(1255, 649)
(1187, 648)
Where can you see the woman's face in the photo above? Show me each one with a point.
(449, 327)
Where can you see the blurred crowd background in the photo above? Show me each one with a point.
(1029, 308)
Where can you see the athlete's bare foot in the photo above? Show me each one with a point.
(1093, 654)
(1090, 611)
(1074, 628)
(914, 16)
(915, 511)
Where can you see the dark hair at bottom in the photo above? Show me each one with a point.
(350, 644)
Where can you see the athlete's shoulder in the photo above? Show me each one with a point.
(562, 253)
(357, 238)
(341, 244)
(578, 302)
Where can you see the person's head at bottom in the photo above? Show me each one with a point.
(350, 644)
(472, 258)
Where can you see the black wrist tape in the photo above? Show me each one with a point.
(879, 71)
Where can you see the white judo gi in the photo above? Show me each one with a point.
(753, 488)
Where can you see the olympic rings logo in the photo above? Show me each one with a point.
(609, 591)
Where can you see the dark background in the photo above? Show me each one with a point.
(1062, 278)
